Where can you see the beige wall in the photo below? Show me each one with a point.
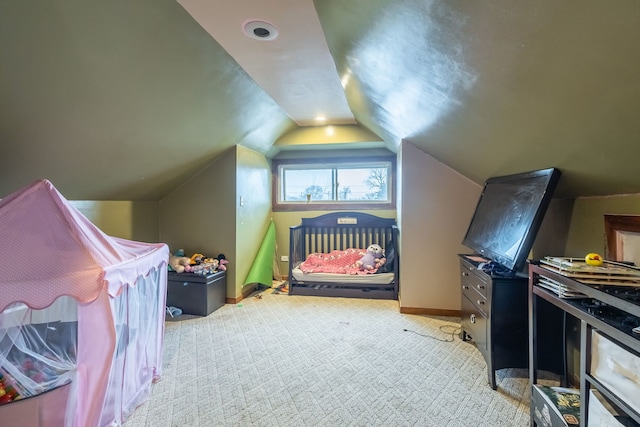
(253, 212)
(586, 232)
(200, 215)
(436, 206)
(128, 220)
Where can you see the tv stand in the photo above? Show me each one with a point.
(495, 316)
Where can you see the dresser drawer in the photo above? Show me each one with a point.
(476, 298)
(475, 279)
(474, 323)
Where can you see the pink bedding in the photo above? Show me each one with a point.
(339, 262)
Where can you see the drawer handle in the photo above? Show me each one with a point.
(472, 318)
(465, 274)
(465, 287)
(480, 287)
(480, 302)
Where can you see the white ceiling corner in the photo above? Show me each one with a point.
(296, 69)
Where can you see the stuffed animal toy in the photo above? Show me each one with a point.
(179, 264)
(206, 267)
(196, 259)
(372, 259)
(222, 262)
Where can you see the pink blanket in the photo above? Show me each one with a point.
(340, 262)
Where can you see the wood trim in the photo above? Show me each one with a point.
(612, 225)
(246, 291)
(431, 311)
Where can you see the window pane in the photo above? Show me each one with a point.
(296, 184)
(334, 184)
(362, 184)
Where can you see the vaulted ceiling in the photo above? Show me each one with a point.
(124, 100)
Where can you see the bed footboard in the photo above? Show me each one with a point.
(340, 231)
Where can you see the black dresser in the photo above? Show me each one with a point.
(495, 316)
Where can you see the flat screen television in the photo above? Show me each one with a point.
(508, 216)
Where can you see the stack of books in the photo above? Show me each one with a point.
(609, 273)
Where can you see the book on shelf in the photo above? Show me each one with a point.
(556, 406)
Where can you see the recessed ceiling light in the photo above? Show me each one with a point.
(260, 30)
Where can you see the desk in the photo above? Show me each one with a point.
(592, 327)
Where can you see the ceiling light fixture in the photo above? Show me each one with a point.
(260, 30)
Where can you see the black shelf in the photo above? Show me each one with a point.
(607, 323)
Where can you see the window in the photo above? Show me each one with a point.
(306, 184)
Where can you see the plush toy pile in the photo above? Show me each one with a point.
(7, 392)
(197, 264)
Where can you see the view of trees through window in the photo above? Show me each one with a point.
(335, 184)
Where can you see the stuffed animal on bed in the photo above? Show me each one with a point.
(374, 258)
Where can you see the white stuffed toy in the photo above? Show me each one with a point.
(374, 258)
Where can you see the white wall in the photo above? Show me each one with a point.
(435, 207)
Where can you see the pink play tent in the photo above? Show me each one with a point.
(81, 314)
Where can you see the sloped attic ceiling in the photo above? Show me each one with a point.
(120, 100)
(497, 87)
(125, 100)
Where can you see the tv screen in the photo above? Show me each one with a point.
(508, 216)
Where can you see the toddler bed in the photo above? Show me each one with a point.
(341, 234)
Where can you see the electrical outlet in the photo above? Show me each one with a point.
(284, 258)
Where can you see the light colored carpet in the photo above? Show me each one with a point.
(283, 360)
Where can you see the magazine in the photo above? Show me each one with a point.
(565, 402)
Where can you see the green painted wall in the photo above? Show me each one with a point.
(199, 216)
(225, 208)
(253, 209)
(125, 219)
(553, 234)
(586, 232)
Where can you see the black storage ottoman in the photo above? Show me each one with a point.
(196, 294)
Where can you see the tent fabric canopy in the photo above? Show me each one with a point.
(50, 249)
